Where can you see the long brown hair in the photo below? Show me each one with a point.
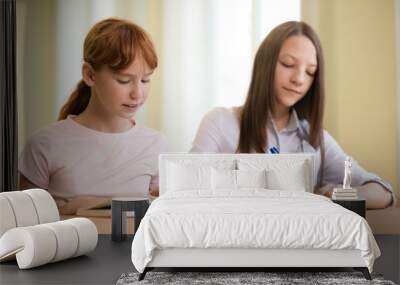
(260, 99)
(114, 43)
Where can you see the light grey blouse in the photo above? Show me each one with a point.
(219, 133)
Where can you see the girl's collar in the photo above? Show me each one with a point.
(292, 125)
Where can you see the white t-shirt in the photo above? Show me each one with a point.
(219, 133)
(71, 160)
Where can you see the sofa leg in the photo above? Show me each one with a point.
(364, 271)
(142, 275)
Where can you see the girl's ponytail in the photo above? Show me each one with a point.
(77, 102)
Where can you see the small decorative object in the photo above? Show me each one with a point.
(346, 192)
(347, 173)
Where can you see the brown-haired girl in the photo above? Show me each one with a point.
(96, 150)
(283, 113)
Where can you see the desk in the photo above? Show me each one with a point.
(111, 259)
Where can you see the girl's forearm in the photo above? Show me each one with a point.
(375, 195)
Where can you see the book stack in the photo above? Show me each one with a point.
(345, 194)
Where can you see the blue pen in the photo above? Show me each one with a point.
(274, 150)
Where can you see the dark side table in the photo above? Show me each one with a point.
(357, 206)
(119, 207)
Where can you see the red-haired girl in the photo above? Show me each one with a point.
(96, 150)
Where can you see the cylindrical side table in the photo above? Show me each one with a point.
(119, 206)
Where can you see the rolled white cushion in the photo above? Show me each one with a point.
(23, 208)
(7, 218)
(67, 240)
(33, 246)
(45, 205)
(87, 234)
(26, 208)
(41, 244)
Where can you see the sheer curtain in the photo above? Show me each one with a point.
(207, 49)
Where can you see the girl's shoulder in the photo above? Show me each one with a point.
(223, 111)
(223, 115)
(51, 131)
(69, 128)
(44, 139)
(329, 140)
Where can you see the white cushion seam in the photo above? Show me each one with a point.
(12, 208)
(55, 235)
(77, 233)
(34, 205)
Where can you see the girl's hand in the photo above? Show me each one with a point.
(71, 206)
(326, 190)
(154, 187)
(154, 192)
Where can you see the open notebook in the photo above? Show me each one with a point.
(102, 209)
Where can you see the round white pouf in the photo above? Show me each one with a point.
(33, 246)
